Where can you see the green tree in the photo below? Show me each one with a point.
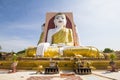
(22, 51)
(0, 47)
(112, 63)
(108, 50)
(14, 57)
(112, 56)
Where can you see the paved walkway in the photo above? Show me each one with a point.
(23, 75)
(110, 75)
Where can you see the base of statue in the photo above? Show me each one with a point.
(83, 71)
(51, 70)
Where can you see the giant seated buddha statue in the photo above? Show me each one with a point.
(59, 37)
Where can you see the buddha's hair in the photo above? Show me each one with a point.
(59, 14)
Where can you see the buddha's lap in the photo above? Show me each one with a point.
(72, 51)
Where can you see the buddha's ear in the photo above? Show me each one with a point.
(55, 26)
(64, 26)
(54, 23)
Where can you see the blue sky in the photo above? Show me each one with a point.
(98, 22)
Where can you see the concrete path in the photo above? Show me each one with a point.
(23, 75)
(108, 74)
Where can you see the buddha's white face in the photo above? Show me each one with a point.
(60, 20)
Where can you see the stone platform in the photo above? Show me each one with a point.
(24, 75)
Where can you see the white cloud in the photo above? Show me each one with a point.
(15, 44)
(24, 26)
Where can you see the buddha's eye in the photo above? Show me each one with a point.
(57, 17)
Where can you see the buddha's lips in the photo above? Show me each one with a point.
(60, 21)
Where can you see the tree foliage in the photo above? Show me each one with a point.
(0, 47)
(108, 50)
(112, 56)
(22, 51)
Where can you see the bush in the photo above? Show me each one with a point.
(108, 50)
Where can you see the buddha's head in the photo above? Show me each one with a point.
(60, 20)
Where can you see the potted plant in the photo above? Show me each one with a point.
(14, 63)
(112, 63)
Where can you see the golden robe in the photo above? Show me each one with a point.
(65, 36)
(41, 38)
